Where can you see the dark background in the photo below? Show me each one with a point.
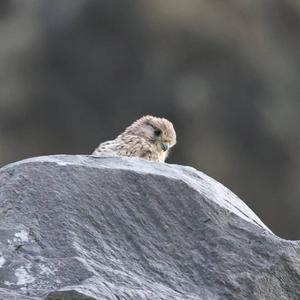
(226, 73)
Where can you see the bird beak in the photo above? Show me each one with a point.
(164, 146)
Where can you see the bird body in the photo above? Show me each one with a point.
(148, 138)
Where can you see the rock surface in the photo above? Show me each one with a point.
(79, 227)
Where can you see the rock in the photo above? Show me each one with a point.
(80, 227)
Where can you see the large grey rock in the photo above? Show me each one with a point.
(79, 227)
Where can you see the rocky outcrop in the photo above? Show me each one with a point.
(79, 227)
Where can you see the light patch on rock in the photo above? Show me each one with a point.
(61, 163)
(46, 270)
(23, 277)
(21, 236)
(2, 261)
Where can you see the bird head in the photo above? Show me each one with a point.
(158, 131)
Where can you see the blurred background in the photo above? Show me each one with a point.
(226, 73)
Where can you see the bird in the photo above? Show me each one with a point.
(149, 138)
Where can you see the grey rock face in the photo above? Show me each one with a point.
(79, 227)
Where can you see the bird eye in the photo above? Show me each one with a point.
(157, 132)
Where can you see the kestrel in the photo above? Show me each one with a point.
(148, 138)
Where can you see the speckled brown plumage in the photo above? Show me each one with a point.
(148, 138)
